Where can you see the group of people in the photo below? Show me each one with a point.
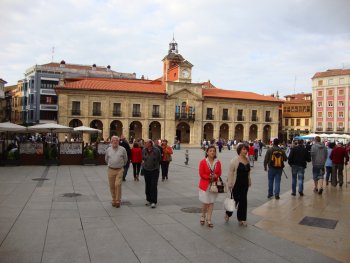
(146, 161)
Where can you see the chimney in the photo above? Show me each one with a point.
(62, 64)
(142, 77)
(108, 68)
(94, 67)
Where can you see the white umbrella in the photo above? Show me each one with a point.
(334, 135)
(50, 127)
(324, 135)
(11, 127)
(346, 136)
(86, 129)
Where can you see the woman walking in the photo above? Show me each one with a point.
(209, 171)
(167, 152)
(136, 159)
(239, 182)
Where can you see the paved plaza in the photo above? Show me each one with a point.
(63, 214)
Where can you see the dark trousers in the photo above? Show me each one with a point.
(337, 174)
(136, 168)
(328, 173)
(256, 151)
(126, 168)
(240, 197)
(165, 169)
(151, 185)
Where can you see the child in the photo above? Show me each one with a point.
(186, 157)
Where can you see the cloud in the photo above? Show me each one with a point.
(260, 46)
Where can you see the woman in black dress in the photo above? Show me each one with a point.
(239, 181)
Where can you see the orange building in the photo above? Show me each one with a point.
(168, 107)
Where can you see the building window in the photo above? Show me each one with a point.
(319, 104)
(306, 122)
(330, 92)
(341, 92)
(224, 114)
(117, 109)
(268, 116)
(341, 81)
(96, 108)
(329, 125)
(340, 103)
(254, 115)
(319, 93)
(340, 126)
(155, 111)
(287, 109)
(240, 116)
(329, 114)
(75, 107)
(210, 114)
(319, 124)
(319, 114)
(340, 114)
(298, 122)
(291, 122)
(286, 122)
(136, 110)
(320, 83)
(330, 103)
(330, 82)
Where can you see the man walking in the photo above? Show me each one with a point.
(338, 156)
(318, 158)
(125, 144)
(274, 159)
(150, 161)
(116, 158)
(297, 159)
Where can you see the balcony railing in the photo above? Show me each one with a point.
(268, 119)
(240, 118)
(75, 112)
(329, 129)
(340, 129)
(96, 113)
(136, 114)
(155, 114)
(185, 116)
(319, 129)
(210, 117)
(225, 117)
(117, 113)
(254, 118)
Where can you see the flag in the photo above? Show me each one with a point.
(187, 105)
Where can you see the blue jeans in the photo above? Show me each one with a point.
(274, 175)
(297, 172)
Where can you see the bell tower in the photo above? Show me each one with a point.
(175, 67)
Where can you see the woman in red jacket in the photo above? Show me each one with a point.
(209, 170)
(136, 159)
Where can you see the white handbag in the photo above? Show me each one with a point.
(229, 203)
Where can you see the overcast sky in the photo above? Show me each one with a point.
(260, 46)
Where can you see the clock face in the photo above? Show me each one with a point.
(185, 73)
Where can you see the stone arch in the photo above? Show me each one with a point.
(154, 131)
(75, 123)
(96, 124)
(208, 131)
(224, 131)
(239, 131)
(183, 132)
(116, 128)
(253, 132)
(267, 134)
(135, 130)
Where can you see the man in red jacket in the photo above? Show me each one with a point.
(338, 156)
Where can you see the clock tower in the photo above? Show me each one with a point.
(175, 67)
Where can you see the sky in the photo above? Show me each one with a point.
(261, 46)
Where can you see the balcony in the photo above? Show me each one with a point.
(76, 112)
(225, 117)
(268, 119)
(210, 117)
(117, 113)
(155, 114)
(340, 129)
(185, 116)
(96, 113)
(136, 114)
(254, 118)
(240, 118)
(329, 129)
(319, 129)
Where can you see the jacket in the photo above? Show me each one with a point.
(268, 155)
(299, 156)
(204, 174)
(232, 173)
(338, 155)
(136, 155)
(318, 155)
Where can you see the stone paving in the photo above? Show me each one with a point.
(65, 215)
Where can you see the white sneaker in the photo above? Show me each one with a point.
(153, 205)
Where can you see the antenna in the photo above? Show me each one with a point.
(52, 53)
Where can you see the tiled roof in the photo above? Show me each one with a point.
(299, 96)
(233, 94)
(75, 66)
(331, 73)
(127, 85)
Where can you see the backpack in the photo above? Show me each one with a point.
(277, 159)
